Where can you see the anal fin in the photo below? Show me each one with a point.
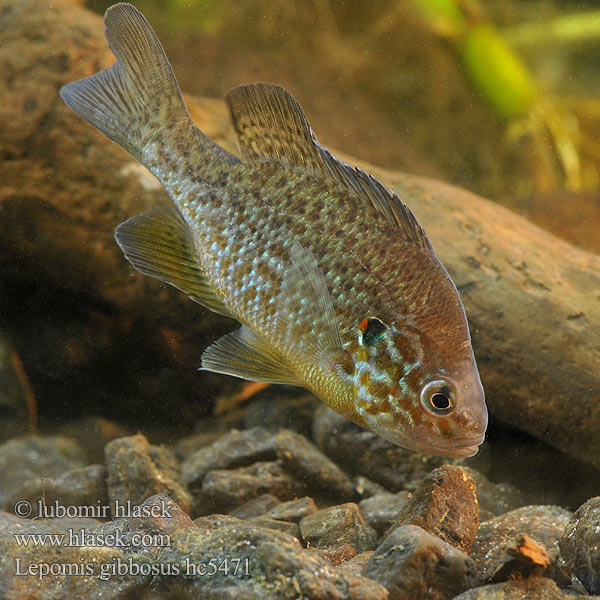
(158, 243)
(245, 354)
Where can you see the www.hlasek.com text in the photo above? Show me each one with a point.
(80, 538)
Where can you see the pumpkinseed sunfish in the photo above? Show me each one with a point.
(336, 285)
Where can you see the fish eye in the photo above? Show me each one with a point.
(372, 330)
(438, 397)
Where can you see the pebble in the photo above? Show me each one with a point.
(225, 490)
(161, 516)
(30, 458)
(307, 463)
(293, 510)
(21, 566)
(285, 526)
(412, 564)
(137, 470)
(545, 524)
(381, 510)
(532, 588)
(271, 565)
(81, 487)
(256, 507)
(232, 450)
(337, 525)
(363, 453)
(216, 521)
(445, 505)
(357, 563)
(301, 468)
(580, 544)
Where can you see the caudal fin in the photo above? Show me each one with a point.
(134, 98)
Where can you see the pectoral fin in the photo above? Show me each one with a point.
(306, 310)
(158, 243)
(245, 354)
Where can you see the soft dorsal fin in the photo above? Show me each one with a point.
(271, 125)
(158, 243)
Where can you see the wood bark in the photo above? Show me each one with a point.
(85, 323)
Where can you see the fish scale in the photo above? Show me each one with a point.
(335, 283)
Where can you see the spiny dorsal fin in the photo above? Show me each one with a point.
(243, 353)
(306, 310)
(271, 125)
(158, 243)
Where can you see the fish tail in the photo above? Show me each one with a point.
(135, 98)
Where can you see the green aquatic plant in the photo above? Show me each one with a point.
(511, 89)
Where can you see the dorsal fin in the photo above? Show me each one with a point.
(271, 125)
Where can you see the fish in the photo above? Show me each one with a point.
(335, 284)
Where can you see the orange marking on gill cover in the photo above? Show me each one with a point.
(363, 324)
(386, 406)
(372, 409)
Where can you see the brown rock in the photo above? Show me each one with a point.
(307, 463)
(137, 470)
(524, 557)
(30, 458)
(381, 510)
(445, 505)
(336, 525)
(285, 526)
(216, 521)
(415, 565)
(63, 570)
(293, 510)
(545, 524)
(225, 490)
(362, 452)
(532, 588)
(232, 450)
(146, 528)
(580, 544)
(256, 507)
(356, 564)
(271, 564)
(82, 487)
(65, 188)
(337, 554)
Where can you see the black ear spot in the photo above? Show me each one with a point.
(373, 330)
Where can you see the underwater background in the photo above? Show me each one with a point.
(498, 98)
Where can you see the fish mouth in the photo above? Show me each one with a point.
(461, 447)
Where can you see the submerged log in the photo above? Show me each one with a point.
(88, 327)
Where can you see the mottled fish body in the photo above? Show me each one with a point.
(335, 283)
